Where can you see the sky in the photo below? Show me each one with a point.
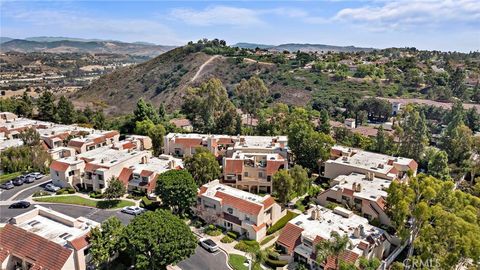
(447, 25)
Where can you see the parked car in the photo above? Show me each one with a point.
(133, 210)
(18, 181)
(29, 179)
(37, 175)
(20, 204)
(208, 244)
(152, 196)
(52, 188)
(7, 185)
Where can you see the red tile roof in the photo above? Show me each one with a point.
(273, 166)
(111, 134)
(80, 242)
(125, 175)
(347, 191)
(268, 202)
(290, 236)
(202, 190)
(181, 122)
(363, 245)
(146, 173)
(233, 166)
(189, 142)
(259, 227)
(129, 145)
(240, 204)
(413, 165)
(42, 252)
(346, 256)
(3, 254)
(90, 167)
(59, 166)
(76, 144)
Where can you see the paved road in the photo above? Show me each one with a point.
(203, 259)
(75, 211)
(7, 194)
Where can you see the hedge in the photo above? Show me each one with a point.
(282, 222)
(267, 239)
(226, 239)
(247, 246)
(275, 263)
(232, 234)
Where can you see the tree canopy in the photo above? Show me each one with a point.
(203, 166)
(177, 190)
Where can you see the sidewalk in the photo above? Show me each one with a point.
(227, 247)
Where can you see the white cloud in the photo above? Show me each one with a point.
(404, 14)
(218, 15)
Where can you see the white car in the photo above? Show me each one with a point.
(208, 244)
(133, 210)
(52, 188)
(36, 175)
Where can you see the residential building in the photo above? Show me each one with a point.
(94, 141)
(345, 160)
(301, 235)
(45, 239)
(142, 176)
(236, 210)
(183, 145)
(93, 169)
(364, 193)
(182, 123)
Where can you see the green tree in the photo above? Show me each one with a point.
(30, 137)
(283, 186)
(162, 112)
(332, 247)
(158, 239)
(106, 241)
(301, 182)
(46, 107)
(156, 134)
(25, 106)
(412, 133)
(458, 143)
(115, 189)
(308, 146)
(99, 120)
(145, 111)
(65, 111)
(143, 127)
(203, 166)
(438, 165)
(369, 264)
(252, 94)
(209, 108)
(324, 122)
(177, 189)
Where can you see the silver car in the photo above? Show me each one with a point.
(133, 210)
(52, 188)
(208, 244)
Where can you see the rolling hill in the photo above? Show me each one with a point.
(304, 47)
(52, 45)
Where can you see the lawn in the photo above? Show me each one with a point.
(281, 222)
(267, 239)
(236, 262)
(10, 176)
(77, 200)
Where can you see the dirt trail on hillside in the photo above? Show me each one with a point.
(202, 66)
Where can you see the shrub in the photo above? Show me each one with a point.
(232, 234)
(273, 255)
(281, 222)
(64, 191)
(226, 239)
(212, 230)
(96, 195)
(197, 223)
(40, 193)
(267, 239)
(275, 263)
(247, 246)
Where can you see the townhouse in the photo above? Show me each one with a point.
(301, 235)
(253, 160)
(93, 141)
(345, 160)
(365, 194)
(142, 176)
(184, 145)
(237, 210)
(45, 239)
(93, 169)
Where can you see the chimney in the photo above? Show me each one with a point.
(354, 186)
(373, 176)
(359, 187)
(313, 214)
(362, 230)
(317, 209)
(356, 232)
(101, 161)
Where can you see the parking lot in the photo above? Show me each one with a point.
(27, 188)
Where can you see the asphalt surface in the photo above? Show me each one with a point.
(202, 259)
(98, 215)
(8, 194)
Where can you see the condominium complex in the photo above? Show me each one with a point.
(301, 235)
(45, 239)
(237, 210)
(248, 162)
(345, 160)
(364, 193)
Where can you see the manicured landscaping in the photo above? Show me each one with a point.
(237, 262)
(247, 246)
(226, 239)
(282, 222)
(267, 239)
(77, 200)
(212, 230)
(9, 176)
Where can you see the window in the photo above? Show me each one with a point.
(356, 200)
(100, 177)
(247, 218)
(100, 186)
(260, 174)
(86, 251)
(230, 210)
(269, 178)
(145, 179)
(307, 242)
(239, 177)
(246, 174)
(199, 201)
(345, 198)
(71, 173)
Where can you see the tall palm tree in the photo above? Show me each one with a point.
(332, 247)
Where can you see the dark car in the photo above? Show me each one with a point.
(18, 181)
(7, 185)
(20, 204)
